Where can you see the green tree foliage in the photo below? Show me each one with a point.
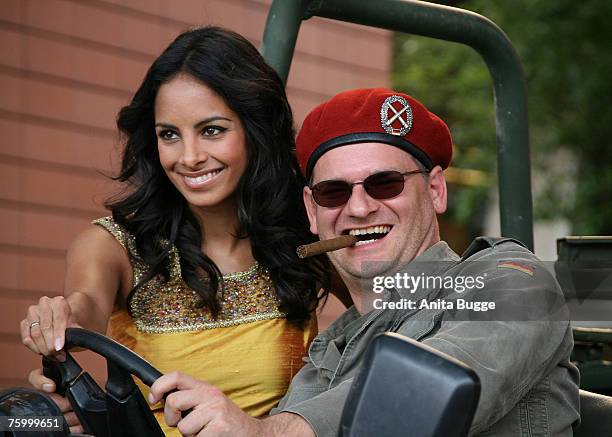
(565, 49)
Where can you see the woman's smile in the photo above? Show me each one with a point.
(202, 180)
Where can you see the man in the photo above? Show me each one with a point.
(374, 160)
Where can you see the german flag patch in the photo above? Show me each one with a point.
(516, 266)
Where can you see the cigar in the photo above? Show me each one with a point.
(326, 246)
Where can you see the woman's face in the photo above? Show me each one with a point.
(200, 140)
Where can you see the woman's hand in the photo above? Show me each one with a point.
(41, 382)
(43, 330)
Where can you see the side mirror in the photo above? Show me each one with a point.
(407, 388)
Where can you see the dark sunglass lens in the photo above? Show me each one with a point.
(331, 193)
(384, 185)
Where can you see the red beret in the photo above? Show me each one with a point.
(375, 115)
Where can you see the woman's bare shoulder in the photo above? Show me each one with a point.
(99, 246)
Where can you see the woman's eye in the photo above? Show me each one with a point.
(213, 130)
(168, 135)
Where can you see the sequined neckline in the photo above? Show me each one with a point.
(243, 274)
(247, 296)
(164, 306)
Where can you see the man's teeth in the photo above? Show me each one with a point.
(360, 243)
(371, 230)
(202, 178)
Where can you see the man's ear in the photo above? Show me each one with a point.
(437, 189)
(310, 209)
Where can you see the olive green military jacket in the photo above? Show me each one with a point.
(520, 352)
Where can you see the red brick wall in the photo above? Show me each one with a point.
(66, 67)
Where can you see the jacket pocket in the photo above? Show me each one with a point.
(533, 412)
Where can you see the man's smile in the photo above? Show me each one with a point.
(370, 234)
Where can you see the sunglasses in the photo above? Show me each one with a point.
(381, 185)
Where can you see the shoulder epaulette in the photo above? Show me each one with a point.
(481, 243)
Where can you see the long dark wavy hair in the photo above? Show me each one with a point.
(270, 210)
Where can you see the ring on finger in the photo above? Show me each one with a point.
(34, 323)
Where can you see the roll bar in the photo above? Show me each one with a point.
(450, 24)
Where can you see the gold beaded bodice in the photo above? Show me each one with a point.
(162, 307)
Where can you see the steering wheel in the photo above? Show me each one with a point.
(122, 409)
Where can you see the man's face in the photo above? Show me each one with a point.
(410, 217)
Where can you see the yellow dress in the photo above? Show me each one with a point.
(250, 351)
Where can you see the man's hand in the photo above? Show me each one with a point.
(214, 414)
(41, 382)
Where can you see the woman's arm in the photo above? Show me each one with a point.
(97, 268)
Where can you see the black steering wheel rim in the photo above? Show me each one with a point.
(113, 351)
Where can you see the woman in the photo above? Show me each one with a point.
(196, 269)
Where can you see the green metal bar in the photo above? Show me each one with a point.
(450, 24)
(593, 335)
(280, 34)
